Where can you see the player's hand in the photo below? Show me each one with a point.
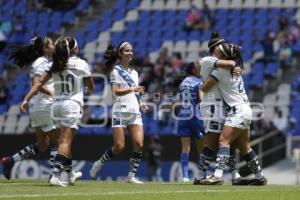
(24, 106)
(144, 107)
(140, 89)
(237, 71)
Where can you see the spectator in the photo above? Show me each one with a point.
(198, 19)
(3, 91)
(268, 47)
(285, 54)
(280, 122)
(2, 41)
(177, 62)
(32, 5)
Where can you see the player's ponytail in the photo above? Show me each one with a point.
(110, 57)
(215, 40)
(24, 55)
(61, 55)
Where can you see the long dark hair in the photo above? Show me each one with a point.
(111, 56)
(232, 52)
(24, 55)
(187, 70)
(61, 55)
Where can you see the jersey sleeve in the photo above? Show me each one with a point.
(217, 74)
(208, 62)
(86, 70)
(114, 78)
(38, 68)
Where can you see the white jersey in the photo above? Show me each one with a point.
(127, 103)
(69, 83)
(207, 65)
(231, 87)
(38, 67)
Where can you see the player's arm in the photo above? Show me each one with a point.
(89, 83)
(43, 89)
(209, 83)
(117, 90)
(34, 90)
(226, 64)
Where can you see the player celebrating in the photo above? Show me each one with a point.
(37, 55)
(126, 109)
(70, 74)
(212, 111)
(238, 120)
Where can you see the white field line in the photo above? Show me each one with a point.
(8, 196)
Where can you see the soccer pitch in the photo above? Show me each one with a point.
(92, 190)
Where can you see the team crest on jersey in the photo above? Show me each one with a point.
(214, 125)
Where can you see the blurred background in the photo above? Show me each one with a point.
(165, 35)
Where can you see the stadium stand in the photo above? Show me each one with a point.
(153, 26)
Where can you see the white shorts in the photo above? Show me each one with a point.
(67, 113)
(42, 118)
(213, 117)
(123, 119)
(239, 116)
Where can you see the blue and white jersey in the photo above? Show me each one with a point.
(213, 94)
(69, 84)
(38, 68)
(231, 87)
(128, 103)
(189, 98)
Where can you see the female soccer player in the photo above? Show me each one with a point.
(126, 109)
(37, 55)
(189, 119)
(70, 75)
(238, 120)
(212, 111)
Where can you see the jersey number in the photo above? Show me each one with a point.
(67, 83)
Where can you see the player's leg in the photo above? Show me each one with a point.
(63, 157)
(111, 152)
(228, 135)
(25, 153)
(207, 155)
(136, 133)
(251, 159)
(184, 157)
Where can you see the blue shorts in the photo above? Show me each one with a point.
(191, 128)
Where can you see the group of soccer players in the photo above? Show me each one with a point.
(225, 112)
(60, 79)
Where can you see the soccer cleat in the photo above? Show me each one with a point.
(185, 180)
(261, 181)
(55, 181)
(95, 168)
(7, 166)
(241, 181)
(213, 180)
(73, 176)
(134, 180)
(198, 181)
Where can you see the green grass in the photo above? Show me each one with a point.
(92, 190)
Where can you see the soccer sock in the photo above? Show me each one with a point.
(232, 165)
(59, 162)
(184, 160)
(253, 164)
(205, 158)
(26, 153)
(68, 166)
(222, 160)
(134, 161)
(53, 152)
(108, 154)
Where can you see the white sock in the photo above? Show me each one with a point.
(218, 173)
